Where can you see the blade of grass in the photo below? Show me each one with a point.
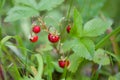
(101, 42)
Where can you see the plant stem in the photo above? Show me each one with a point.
(112, 38)
(26, 66)
(68, 14)
(64, 73)
(99, 44)
(0, 27)
(113, 41)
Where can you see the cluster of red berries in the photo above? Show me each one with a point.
(53, 38)
(36, 29)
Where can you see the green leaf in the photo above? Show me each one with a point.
(115, 77)
(2, 3)
(13, 48)
(57, 67)
(112, 78)
(77, 29)
(49, 66)
(91, 8)
(84, 48)
(71, 44)
(89, 45)
(48, 4)
(101, 58)
(19, 12)
(113, 55)
(75, 61)
(0, 32)
(30, 3)
(46, 47)
(40, 67)
(96, 27)
(5, 39)
(20, 44)
(14, 69)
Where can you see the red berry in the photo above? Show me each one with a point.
(68, 29)
(34, 39)
(53, 38)
(63, 63)
(36, 29)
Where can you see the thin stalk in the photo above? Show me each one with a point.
(99, 44)
(0, 28)
(64, 73)
(26, 64)
(68, 14)
(112, 38)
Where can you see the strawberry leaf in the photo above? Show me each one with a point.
(48, 4)
(96, 27)
(101, 58)
(76, 30)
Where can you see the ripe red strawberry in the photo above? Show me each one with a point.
(53, 38)
(63, 63)
(68, 28)
(34, 38)
(36, 29)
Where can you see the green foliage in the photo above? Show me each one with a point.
(91, 8)
(40, 67)
(57, 68)
(2, 2)
(49, 66)
(2, 42)
(75, 61)
(96, 27)
(29, 3)
(101, 57)
(80, 47)
(14, 70)
(20, 12)
(77, 28)
(0, 33)
(84, 50)
(29, 8)
(115, 77)
(38, 76)
(48, 4)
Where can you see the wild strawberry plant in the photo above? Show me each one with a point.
(47, 48)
